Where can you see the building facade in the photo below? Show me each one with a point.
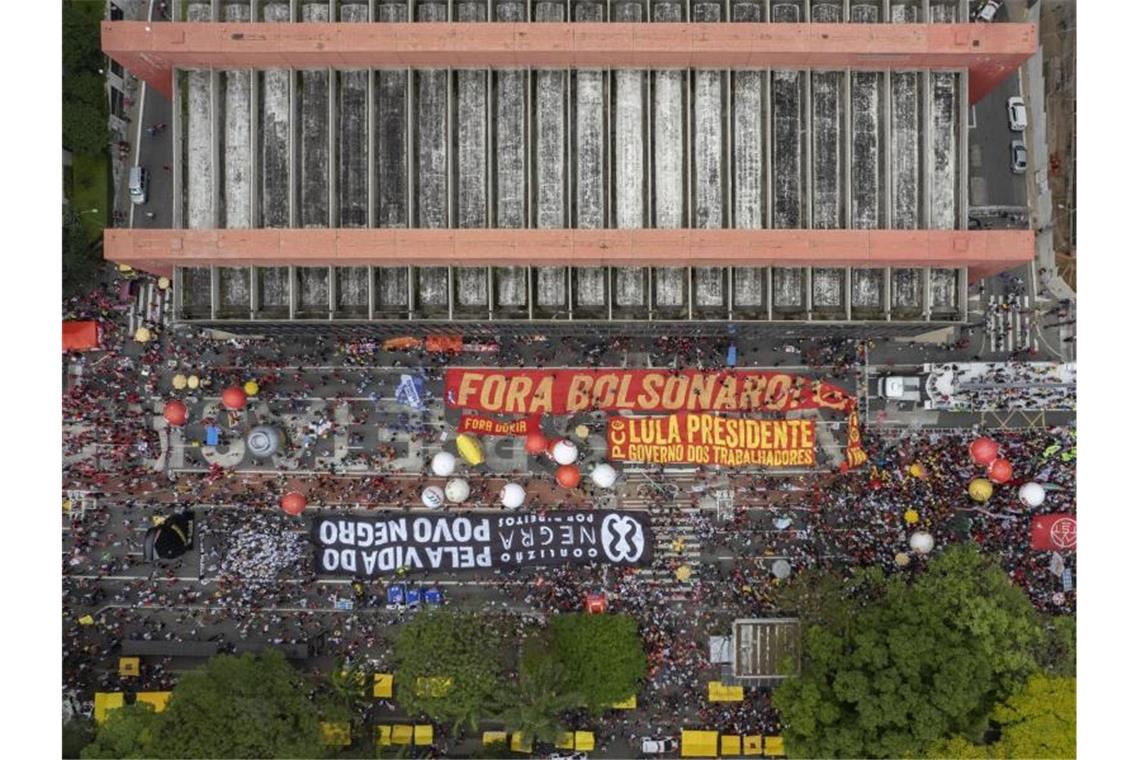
(758, 161)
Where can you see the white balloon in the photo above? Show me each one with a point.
(512, 495)
(781, 568)
(922, 542)
(457, 490)
(1032, 494)
(443, 464)
(432, 497)
(565, 452)
(604, 476)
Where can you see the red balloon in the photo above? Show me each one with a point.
(568, 476)
(535, 442)
(175, 413)
(1000, 471)
(983, 451)
(233, 398)
(294, 503)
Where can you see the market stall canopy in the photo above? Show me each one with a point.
(156, 699)
(80, 335)
(382, 685)
(105, 702)
(699, 743)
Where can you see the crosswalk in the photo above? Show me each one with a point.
(151, 306)
(1007, 324)
(675, 545)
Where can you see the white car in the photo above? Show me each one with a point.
(1018, 117)
(651, 746)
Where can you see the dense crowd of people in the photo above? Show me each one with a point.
(252, 579)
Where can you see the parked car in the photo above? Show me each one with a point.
(986, 11)
(1018, 117)
(651, 746)
(1018, 157)
(138, 182)
(568, 756)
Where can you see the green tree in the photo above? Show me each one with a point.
(81, 260)
(1039, 721)
(920, 662)
(128, 732)
(1058, 652)
(77, 733)
(602, 656)
(540, 697)
(247, 706)
(85, 113)
(82, 49)
(456, 659)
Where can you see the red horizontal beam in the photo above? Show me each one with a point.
(150, 51)
(158, 251)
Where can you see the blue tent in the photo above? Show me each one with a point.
(433, 596)
(731, 361)
(413, 597)
(212, 433)
(395, 595)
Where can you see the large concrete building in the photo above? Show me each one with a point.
(668, 163)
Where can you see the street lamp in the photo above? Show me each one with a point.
(89, 211)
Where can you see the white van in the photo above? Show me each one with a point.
(137, 184)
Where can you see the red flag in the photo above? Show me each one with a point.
(1056, 532)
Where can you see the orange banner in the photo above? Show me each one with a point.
(471, 423)
(565, 391)
(708, 439)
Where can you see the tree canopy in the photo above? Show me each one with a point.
(602, 656)
(455, 659)
(541, 695)
(85, 113)
(1040, 721)
(919, 662)
(82, 50)
(81, 260)
(127, 733)
(254, 706)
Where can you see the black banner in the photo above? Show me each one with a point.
(368, 547)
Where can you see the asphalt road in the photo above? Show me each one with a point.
(991, 181)
(155, 153)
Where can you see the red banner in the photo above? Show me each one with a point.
(1056, 532)
(472, 423)
(855, 453)
(564, 391)
(708, 439)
